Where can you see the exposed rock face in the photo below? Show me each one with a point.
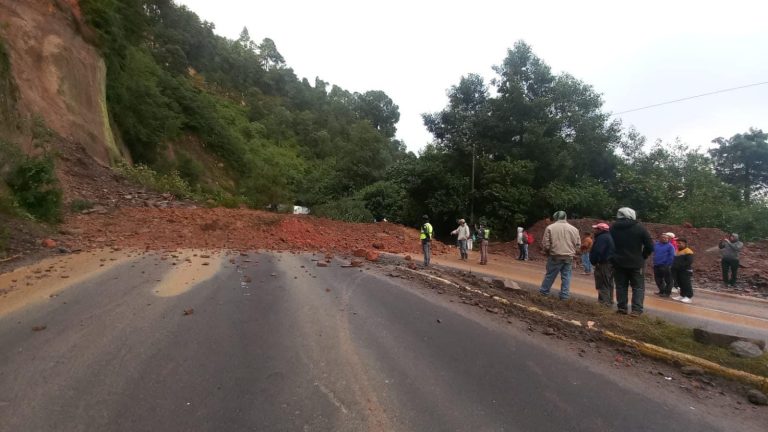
(60, 77)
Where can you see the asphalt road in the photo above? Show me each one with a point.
(274, 346)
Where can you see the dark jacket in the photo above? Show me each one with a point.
(633, 244)
(663, 254)
(683, 260)
(602, 248)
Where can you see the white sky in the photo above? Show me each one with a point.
(635, 55)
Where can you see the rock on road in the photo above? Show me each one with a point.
(271, 342)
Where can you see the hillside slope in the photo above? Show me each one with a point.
(60, 78)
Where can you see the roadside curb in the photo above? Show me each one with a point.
(645, 348)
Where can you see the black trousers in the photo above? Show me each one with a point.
(624, 277)
(663, 276)
(684, 279)
(604, 283)
(730, 266)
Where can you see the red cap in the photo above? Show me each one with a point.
(602, 226)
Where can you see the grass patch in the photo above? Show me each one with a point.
(652, 330)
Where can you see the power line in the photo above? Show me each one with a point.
(691, 97)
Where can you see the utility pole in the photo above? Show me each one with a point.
(472, 193)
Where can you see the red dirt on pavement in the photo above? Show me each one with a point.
(173, 228)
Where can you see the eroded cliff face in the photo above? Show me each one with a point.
(60, 79)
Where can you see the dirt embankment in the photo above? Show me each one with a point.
(754, 260)
(60, 78)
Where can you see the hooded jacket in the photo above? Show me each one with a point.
(633, 244)
(603, 248)
(729, 250)
(520, 235)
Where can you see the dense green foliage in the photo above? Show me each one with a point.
(543, 143)
(281, 139)
(28, 185)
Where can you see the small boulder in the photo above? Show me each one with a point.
(721, 339)
(757, 397)
(745, 349)
(49, 243)
(378, 245)
(372, 256)
(359, 252)
(322, 264)
(408, 258)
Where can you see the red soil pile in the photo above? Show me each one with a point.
(172, 228)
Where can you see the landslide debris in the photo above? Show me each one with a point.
(241, 229)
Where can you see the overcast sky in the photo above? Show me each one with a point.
(634, 55)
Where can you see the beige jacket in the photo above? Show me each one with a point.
(561, 239)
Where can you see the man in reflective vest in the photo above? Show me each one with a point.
(426, 239)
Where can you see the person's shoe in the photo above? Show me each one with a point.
(635, 314)
(676, 290)
(678, 298)
(659, 294)
(621, 311)
(686, 300)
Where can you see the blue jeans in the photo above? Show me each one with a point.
(426, 247)
(586, 263)
(525, 252)
(463, 249)
(555, 266)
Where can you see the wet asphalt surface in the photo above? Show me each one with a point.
(297, 349)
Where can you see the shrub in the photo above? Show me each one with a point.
(345, 209)
(164, 183)
(35, 187)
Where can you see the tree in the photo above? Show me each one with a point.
(270, 56)
(379, 109)
(742, 161)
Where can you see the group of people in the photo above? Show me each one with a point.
(617, 255)
(464, 239)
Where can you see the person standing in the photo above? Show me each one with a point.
(633, 246)
(560, 243)
(483, 233)
(586, 246)
(682, 267)
(521, 243)
(426, 239)
(527, 242)
(673, 242)
(462, 236)
(663, 256)
(730, 249)
(600, 257)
